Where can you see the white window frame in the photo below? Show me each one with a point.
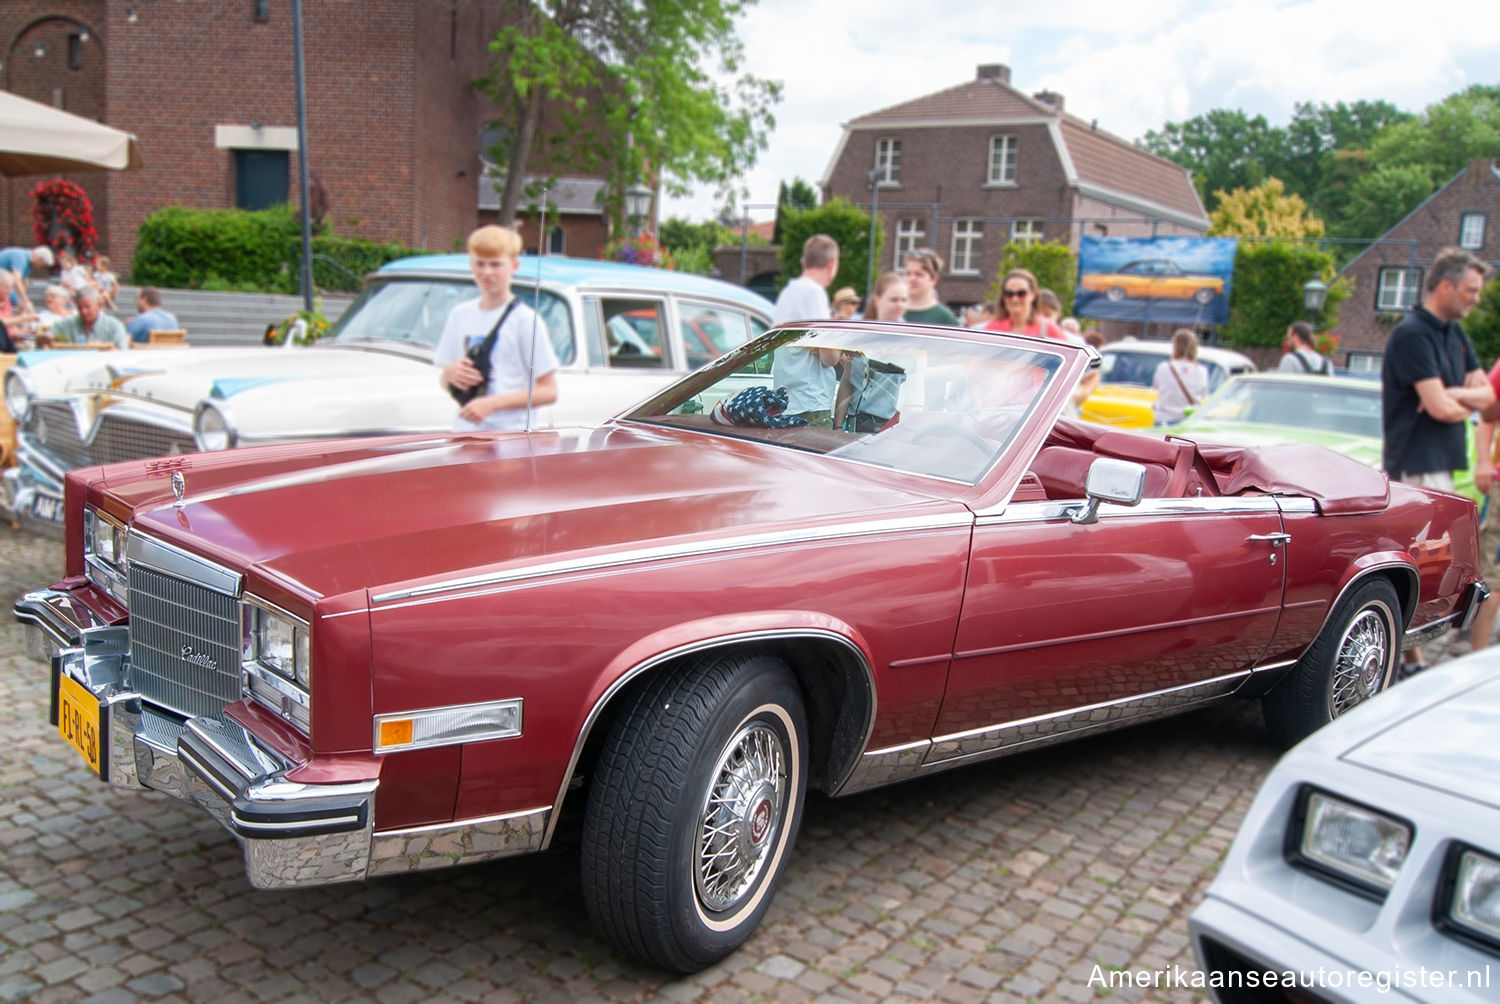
(888, 161)
(909, 237)
(1471, 231)
(1026, 232)
(967, 236)
(1399, 294)
(1002, 163)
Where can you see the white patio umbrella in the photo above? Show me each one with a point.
(38, 139)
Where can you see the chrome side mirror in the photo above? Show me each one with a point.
(1109, 480)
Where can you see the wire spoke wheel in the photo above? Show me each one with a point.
(1360, 664)
(1352, 659)
(741, 815)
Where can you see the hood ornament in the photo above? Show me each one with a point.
(179, 489)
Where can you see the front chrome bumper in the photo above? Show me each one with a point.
(293, 834)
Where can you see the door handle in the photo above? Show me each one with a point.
(1274, 539)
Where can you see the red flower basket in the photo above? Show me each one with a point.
(642, 250)
(63, 218)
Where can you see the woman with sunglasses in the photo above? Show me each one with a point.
(922, 269)
(1017, 310)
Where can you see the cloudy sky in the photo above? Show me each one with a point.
(1131, 64)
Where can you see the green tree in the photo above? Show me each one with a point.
(626, 85)
(692, 244)
(1267, 291)
(799, 195)
(845, 223)
(1326, 143)
(1445, 136)
(1263, 211)
(1483, 323)
(1381, 199)
(1054, 265)
(1224, 149)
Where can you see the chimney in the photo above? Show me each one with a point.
(1051, 99)
(997, 72)
(1481, 169)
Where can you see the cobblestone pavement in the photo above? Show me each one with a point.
(1007, 881)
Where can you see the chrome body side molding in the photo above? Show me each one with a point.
(901, 763)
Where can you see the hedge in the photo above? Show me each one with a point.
(235, 249)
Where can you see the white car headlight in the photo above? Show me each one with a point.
(17, 394)
(278, 663)
(1473, 909)
(213, 428)
(104, 553)
(1355, 846)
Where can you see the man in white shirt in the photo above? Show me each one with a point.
(808, 374)
(523, 367)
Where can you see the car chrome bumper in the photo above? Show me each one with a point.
(293, 834)
(1460, 619)
(30, 505)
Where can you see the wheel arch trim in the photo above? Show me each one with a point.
(841, 636)
(1400, 570)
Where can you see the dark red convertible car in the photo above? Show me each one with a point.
(376, 656)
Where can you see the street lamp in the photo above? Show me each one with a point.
(877, 178)
(1314, 295)
(637, 205)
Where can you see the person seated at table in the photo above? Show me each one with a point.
(151, 317)
(90, 324)
(57, 303)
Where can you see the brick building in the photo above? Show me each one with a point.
(968, 169)
(208, 87)
(1388, 276)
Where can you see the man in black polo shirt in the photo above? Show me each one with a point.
(1431, 382)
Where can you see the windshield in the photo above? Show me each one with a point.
(413, 311)
(1330, 405)
(943, 407)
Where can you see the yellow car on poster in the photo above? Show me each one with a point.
(1152, 278)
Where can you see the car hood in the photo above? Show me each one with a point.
(1365, 449)
(1448, 744)
(327, 518)
(187, 376)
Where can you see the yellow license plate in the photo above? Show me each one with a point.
(78, 719)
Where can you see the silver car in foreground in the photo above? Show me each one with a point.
(1368, 867)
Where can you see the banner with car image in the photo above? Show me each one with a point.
(1173, 280)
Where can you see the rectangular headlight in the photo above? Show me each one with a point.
(1354, 845)
(280, 643)
(104, 553)
(1472, 909)
(278, 662)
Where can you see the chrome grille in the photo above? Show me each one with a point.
(53, 428)
(171, 620)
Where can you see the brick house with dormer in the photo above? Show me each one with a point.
(1388, 276)
(970, 168)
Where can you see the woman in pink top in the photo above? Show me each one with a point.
(1016, 311)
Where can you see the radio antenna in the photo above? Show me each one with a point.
(536, 313)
